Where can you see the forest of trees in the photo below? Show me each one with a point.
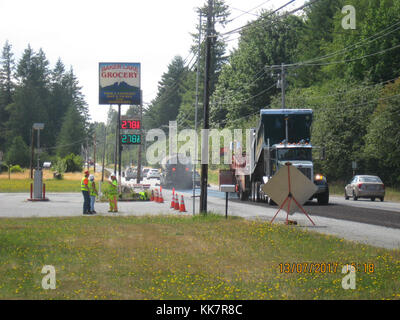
(349, 77)
(32, 92)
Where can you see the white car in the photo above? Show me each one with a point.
(153, 173)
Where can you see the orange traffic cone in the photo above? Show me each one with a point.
(173, 201)
(182, 207)
(176, 202)
(156, 196)
(161, 199)
(152, 196)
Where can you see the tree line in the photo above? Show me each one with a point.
(32, 92)
(349, 77)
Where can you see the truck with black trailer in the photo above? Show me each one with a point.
(282, 135)
(176, 171)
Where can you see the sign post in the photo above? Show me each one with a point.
(38, 188)
(354, 167)
(227, 188)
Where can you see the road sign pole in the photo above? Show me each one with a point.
(119, 145)
(139, 165)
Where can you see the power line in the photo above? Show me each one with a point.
(259, 20)
(348, 60)
(249, 11)
(345, 92)
(347, 49)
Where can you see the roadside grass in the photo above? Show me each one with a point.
(20, 182)
(201, 257)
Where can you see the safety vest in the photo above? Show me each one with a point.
(92, 188)
(85, 187)
(143, 195)
(114, 187)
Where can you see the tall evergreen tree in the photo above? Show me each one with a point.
(72, 134)
(6, 87)
(165, 106)
(31, 97)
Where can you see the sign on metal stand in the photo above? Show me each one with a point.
(119, 83)
(38, 190)
(227, 188)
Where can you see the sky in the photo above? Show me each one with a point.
(83, 33)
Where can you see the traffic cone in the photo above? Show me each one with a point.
(182, 207)
(173, 201)
(176, 202)
(161, 199)
(156, 197)
(152, 195)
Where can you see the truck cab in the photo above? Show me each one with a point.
(300, 156)
(282, 135)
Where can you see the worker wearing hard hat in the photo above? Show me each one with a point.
(113, 194)
(93, 193)
(85, 192)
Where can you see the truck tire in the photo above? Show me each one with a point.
(323, 198)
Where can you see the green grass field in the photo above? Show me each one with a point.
(185, 258)
(52, 185)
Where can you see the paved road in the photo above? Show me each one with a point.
(367, 225)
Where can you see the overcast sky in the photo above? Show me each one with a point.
(83, 33)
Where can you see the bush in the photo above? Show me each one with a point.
(16, 169)
(59, 168)
(74, 163)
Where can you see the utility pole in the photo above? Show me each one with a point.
(104, 153)
(195, 115)
(139, 166)
(204, 166)
(94, 153)
(119, 145)
(32, 152)
(86, 154)
(283, 85)
(116, 143)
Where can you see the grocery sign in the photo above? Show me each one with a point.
(119, 83)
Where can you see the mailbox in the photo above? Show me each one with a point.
(227, 188)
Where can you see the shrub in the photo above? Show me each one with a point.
(16, 168)
(59, 168)
(73, 162)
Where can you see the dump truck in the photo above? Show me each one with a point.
(282, 135)
(176, 171)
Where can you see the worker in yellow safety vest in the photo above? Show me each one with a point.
(113, 194)
(85, 193)
(93, 193)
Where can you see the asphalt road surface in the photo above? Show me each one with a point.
(364, 221)
(386, 214)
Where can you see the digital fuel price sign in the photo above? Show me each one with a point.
(130, 138)
(130, 124)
